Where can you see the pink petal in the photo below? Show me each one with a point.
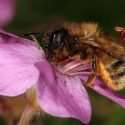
(6, 11)
(114, 96)
(62, 95)
(121, 30)
(17, 58)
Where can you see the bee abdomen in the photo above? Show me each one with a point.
(117, 69)
(117, 64)
(117, 73)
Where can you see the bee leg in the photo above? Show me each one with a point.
(34, 39)
(58, 55)
(106, 78)
(92, 77)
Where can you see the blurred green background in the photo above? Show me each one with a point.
(33, 14)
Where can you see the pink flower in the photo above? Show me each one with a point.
(60, 89)
(6, 11)
(121, 30)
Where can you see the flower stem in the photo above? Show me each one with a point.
(27, 115)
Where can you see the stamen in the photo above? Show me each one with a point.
(75, 68)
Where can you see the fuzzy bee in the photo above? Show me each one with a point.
(86, 42)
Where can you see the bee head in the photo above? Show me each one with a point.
(56, 43)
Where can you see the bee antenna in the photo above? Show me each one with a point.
(29, 34)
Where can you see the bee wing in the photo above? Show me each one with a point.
(107, 44)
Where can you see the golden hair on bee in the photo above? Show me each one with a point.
(86, 42)
(87, 29)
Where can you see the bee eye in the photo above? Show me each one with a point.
(58, 37)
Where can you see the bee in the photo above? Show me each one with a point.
(86, 41)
